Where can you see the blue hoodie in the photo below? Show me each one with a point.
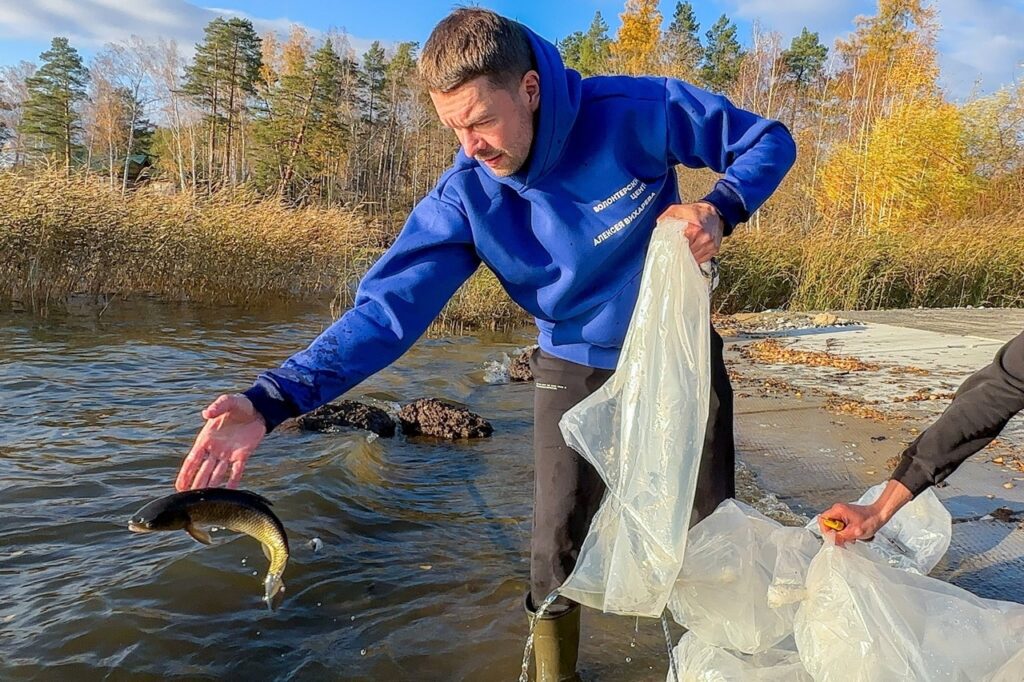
(566, 235)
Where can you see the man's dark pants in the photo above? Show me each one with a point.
(568, 490)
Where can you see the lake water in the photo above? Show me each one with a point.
(425, 544)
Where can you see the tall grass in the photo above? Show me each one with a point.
(969, 262)
(63, 237)
(70, 237)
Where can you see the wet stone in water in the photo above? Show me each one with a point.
(519, 368)
(433, 417)
(348, 414)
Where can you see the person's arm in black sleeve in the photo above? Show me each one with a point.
(980, 410)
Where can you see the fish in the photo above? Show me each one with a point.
(238, 510)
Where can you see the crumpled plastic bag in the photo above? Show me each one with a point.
(1013, 671)
(865, 621)
(916, 537)
(736, 558)
(697, 661)
(643, 431)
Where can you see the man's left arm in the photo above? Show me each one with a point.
(705, 130)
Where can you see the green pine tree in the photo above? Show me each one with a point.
(569, 48)
(683, 51)
(805, 59)
(722, 56)
(51, 114)
(331, 127)
(595, 50)
(374, 76)
(588, 52)
(220, 80)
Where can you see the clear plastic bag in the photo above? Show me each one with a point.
(1013, 671)
(861, 613)
(735, 559)
(697, 661)
(916, 537)
(865, 621)
(643, 431)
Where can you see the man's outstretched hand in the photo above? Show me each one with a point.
(232, 431)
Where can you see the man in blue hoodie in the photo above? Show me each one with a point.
(556, 189)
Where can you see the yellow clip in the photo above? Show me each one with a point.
(834, 524)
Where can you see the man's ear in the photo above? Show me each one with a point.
(530, 89)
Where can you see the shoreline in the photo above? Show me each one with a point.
(779, 403)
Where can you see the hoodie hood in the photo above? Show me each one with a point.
(559, 104)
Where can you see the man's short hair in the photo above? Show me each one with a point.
(472, 42)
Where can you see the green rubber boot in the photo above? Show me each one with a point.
(556, 644)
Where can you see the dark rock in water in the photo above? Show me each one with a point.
(433, 417)
(519, 368)
(348, 413)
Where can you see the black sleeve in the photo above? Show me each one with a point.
(983, 405)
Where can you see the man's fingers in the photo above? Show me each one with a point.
(836, 513)
(219, 473)
(219, 406)
(848, 535)
(202, 479)
(702, 252)
(191, 464)
(236, 474)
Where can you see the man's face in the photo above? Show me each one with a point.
(494, 125)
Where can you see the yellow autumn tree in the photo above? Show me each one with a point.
(890, 58)
(900, 156)
(911, 169)
(994, 129)
(635, 49)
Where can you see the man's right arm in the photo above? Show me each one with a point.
(396, 301)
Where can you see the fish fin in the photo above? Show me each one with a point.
(198, 534)
(266, 551)
(250, 494)
(273, 591)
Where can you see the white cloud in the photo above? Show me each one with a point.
(93, 23)
(981, 42)
(829, 18)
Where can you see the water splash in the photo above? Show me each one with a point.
(496, 371)
(668, 645)
(524, 676)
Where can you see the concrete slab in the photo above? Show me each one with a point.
(810, 457)
(998, 324)
(948, 359)
(987, 558)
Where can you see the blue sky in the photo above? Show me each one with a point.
(982, 41)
